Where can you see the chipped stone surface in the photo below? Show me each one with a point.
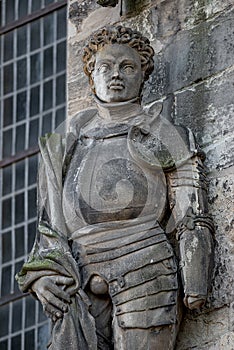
(194, 79)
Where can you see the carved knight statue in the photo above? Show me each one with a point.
(124, 236)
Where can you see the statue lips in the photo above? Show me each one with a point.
(116, 85)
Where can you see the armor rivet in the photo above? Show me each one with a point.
(121, 282)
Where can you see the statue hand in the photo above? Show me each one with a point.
(194, 302)
(52, 293)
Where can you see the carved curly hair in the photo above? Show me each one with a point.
(118, 35)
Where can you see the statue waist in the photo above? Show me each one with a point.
(114, 230)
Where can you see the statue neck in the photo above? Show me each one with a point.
(119, 111)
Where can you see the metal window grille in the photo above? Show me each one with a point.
(32, 102)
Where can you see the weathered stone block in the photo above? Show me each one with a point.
(79, 10)
(206, 107)
(220, 155)
(196, 331)
(132, 7)
(93, 17)
(221, 199)
(191, 12)
(192, 56)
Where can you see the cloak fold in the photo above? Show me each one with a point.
(51, 254)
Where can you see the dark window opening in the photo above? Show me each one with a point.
(32, 64)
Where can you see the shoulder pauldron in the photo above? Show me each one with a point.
(164, 146)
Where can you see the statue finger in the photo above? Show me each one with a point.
(64, 280)
(71, 290)
(55, 301)
(59, 292)
(49, 310)
(52, 312)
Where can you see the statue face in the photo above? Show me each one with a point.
(117, 74)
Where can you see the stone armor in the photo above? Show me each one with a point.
(120, 203)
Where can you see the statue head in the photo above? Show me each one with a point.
(117, 60)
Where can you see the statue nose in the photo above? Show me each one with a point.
(116, 73)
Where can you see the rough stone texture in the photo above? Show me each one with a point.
(212, 331)
(194, 79)
(206, 107)
(133, 7)
(193, 55)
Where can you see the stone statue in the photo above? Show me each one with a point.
(124, 235)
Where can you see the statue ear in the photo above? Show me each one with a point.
(90, 66)
(88, 69)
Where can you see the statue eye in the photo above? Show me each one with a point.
(104, 68)
(128, 68)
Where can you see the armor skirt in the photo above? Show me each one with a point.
(139, 265)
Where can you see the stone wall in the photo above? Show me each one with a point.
(194, 79)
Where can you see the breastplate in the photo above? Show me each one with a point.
(104, 183)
